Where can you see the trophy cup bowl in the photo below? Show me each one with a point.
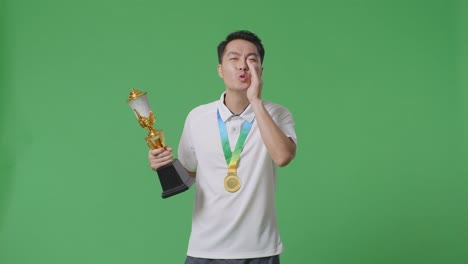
(173, 177)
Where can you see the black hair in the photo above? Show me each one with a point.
(245, 35)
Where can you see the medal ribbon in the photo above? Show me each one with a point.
(232, 158)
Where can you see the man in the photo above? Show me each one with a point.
(233, 147)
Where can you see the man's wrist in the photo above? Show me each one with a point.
(256, 104)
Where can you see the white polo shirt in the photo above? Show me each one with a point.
(232, 225)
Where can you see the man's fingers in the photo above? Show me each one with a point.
(169, 160)
(159, 151)
(253, 70)
(159, 165)
(155, 152)
(160, 160)
(165, 158)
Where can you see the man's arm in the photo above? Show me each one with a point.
(280, 147)
(192, 174)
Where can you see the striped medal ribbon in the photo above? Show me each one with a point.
(232, 182)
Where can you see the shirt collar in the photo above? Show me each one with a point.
(226, 114)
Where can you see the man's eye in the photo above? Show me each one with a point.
(253, 59)
(232, 59)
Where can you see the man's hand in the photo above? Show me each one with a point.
(254, 92)
(160, 157)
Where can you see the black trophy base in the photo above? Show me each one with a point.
(174, 179)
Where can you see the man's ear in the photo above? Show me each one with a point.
(261, 71)
(220, 72)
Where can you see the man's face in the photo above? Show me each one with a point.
(234, 69)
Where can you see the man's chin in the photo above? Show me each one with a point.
(244, 86)
(241, 88)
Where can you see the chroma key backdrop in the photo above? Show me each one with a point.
(378, 91)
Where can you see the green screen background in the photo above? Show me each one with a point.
(378, 90)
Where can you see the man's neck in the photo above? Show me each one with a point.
(236, 101)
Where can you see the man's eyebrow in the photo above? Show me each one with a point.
(233, 53)
(238, 54)
(252, 54)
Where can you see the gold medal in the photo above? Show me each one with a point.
(232, 183)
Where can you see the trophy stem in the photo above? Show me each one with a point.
(155, 139)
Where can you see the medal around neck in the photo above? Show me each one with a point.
(232, 183)
(173, 177)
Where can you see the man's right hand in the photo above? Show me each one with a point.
(160, 157)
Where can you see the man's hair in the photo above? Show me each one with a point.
(245, 35)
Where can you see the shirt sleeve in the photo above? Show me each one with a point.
(186, 150)
(285, 122)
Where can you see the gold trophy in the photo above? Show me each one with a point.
(173, 177)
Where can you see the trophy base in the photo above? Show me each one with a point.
(174, 179)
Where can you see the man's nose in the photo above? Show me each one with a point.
(243, 65)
